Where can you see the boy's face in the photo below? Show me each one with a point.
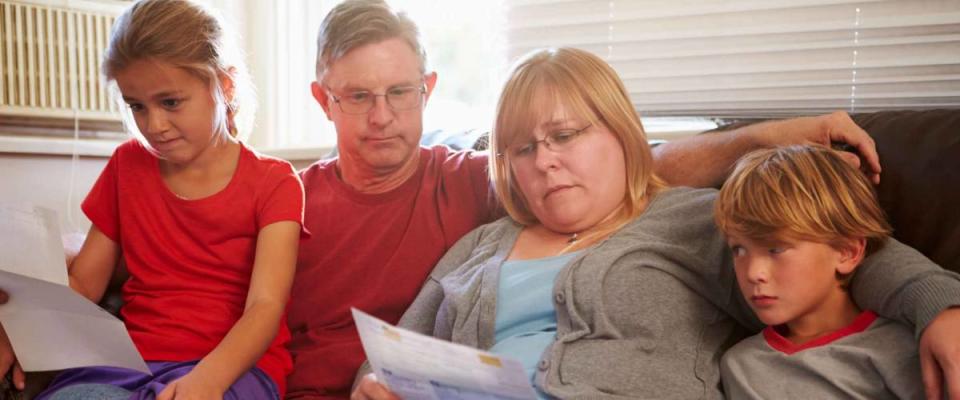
(791, 281)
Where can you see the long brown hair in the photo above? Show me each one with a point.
(189, 36)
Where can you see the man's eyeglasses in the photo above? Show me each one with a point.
(557, 141)
(399, 98)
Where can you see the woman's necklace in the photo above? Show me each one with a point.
(573, 238)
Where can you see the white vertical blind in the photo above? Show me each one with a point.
(280, 39)
(49, 61)
(759, 58)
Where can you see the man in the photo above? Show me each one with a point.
(385, 211)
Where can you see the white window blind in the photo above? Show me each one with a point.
(759, 58)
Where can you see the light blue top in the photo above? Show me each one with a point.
(526, 322)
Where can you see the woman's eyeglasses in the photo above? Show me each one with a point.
(557, 141)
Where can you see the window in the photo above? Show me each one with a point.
(463, 45)
(759, 58)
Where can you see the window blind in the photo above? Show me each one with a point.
(749, 58)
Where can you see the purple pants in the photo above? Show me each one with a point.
(253, 385)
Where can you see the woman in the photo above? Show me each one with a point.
(602, 281)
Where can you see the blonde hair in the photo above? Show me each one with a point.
(188, 36)
(355, 23)
(801, 192)
(589, 87)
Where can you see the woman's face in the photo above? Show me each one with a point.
(576, 182)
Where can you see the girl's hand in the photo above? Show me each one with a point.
(192, 386)
(7, 358)
(370, 388)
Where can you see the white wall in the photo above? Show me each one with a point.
(44, 180)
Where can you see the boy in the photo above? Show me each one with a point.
(799, 220)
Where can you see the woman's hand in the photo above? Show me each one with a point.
(371, 389)
(192, 386)
(940, 355)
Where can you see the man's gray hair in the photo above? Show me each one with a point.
(355, 23)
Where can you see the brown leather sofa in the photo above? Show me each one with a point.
(920, 179)
(919, 189)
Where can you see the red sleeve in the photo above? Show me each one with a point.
(282, 198)
(101, 204)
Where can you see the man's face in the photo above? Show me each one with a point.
(385, 137)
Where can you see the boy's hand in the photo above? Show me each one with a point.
(192, 386)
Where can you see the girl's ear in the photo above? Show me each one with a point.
(228, 88)
(852, 252)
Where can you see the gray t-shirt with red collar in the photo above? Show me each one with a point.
(872, 358)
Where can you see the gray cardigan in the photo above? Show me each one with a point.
(648, 312)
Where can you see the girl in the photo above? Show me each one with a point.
(207, 227)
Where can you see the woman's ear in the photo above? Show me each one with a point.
(852, 252)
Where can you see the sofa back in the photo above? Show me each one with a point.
(920, 178)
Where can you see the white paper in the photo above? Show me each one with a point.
(50, 326)
(416, 366)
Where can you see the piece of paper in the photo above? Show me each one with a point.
(50, 326)
(420, 367)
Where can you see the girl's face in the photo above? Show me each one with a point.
(175, 111)
(578, 180)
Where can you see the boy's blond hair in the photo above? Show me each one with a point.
(802, 193)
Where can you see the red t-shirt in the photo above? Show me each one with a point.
(373, 252)
(190, 261)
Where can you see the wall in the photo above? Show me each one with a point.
(44, 180)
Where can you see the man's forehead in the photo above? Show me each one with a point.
(353, 84)
(379, 65)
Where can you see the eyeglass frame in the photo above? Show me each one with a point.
(547, 139)
(373, 102)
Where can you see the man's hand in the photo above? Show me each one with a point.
(706, 160)
(370, 389)
(940, 355)
(825, 130)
